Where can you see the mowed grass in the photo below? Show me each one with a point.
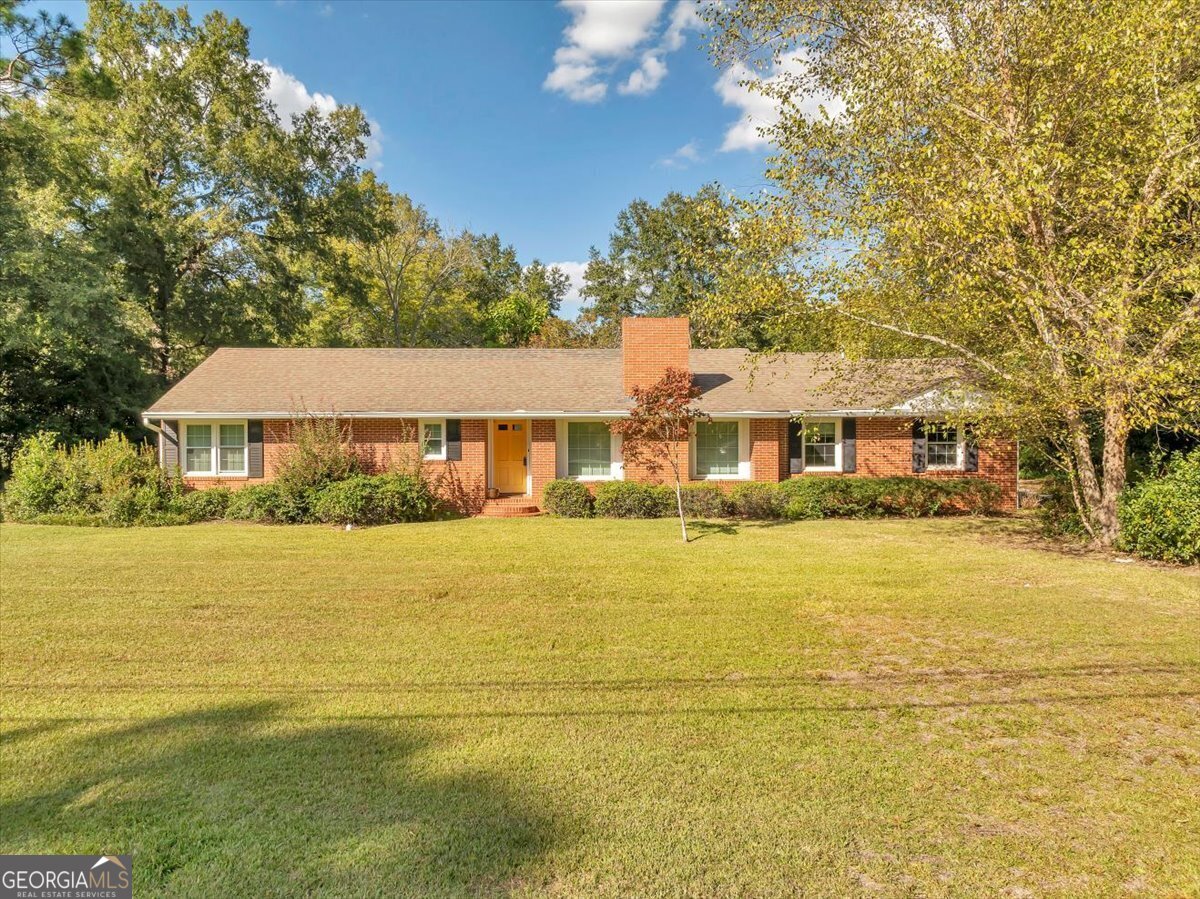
(591, 708)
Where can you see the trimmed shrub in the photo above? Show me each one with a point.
(350, 501)
(204, 505)
(703, 501)
(818, 497)
(755, 499)
(381, 499)
(1160, 517)
(628, 499)
(405, 497)
(568, 499)
(271, 504)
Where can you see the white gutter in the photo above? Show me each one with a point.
(525, 413)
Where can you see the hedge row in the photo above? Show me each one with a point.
(800, 498)
(114, 483)
(361, 499)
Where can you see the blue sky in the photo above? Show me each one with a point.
(536, 120)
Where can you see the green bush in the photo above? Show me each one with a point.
(319, 453)
(568, 499)
(828, 497)
(755, 499)
(204, 505)
(111, 482)
(404, 498)
(351, 501)
(1057, 513)
(38, 473)
(271, 504)
(1160, 517)
(703, 501)
(628, 499)
(381, 499)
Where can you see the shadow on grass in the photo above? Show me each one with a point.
(701, 528)
(238, 800)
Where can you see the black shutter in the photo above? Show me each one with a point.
(971, 451)
(169, 438)
(919, 451)
(795, 447)
(849, 439)
(254, 448)
(454, 439)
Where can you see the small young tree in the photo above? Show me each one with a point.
(656, 432)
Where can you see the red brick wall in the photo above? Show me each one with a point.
(543, 453)
(884, 449)
(649, 346)
(384, 444)
(768, 449)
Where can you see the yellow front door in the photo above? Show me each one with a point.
(509, 455)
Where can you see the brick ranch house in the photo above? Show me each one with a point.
(508, 421)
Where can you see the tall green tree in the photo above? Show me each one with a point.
(651, 267)
(174, 162)
(406, 285)
(533, 300)
(1012, 184)
(68, 360)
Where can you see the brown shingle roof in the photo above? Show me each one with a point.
(268, 382)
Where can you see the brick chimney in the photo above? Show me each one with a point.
(649, 346)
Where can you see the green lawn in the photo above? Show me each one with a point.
(591, 708)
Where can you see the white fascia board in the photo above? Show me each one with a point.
(501, 413)
(510, 413)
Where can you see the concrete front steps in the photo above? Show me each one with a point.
(510, 507)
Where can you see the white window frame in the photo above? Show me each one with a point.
(214, 450)
(744, 465)
(431, 457)
(837, 443)
(960, 454)
(616, 463)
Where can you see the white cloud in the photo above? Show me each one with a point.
(604, 33)
(326, 11)
(290, 97)
(740, 87)
(646, 78)
(684, 156)
(572, 301)
(684, 17)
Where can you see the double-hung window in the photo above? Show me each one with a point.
(820, 445)
(717, 449)
(942, 446)
(433, 439)
(589, 449)
(215, 448)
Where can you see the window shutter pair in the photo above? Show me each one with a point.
(920, 452)
(453, 439)
(849, 446)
